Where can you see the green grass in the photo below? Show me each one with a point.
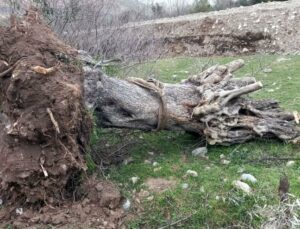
(211, 201)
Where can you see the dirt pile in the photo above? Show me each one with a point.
(44, 129)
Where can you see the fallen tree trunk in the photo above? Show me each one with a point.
(211, 104)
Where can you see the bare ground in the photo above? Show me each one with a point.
(266, 28)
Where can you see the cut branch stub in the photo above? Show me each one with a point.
(210, 104)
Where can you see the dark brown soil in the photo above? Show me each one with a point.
(44, 131)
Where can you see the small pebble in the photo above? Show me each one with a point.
(19, 211)
(245, 50)
(185, 186)
(225, 162)
(192, 173)
(150, 198)
(267, 70)
(134, 180)
(222, 156)
(200, 152)
(217, 198)
(242, 186)
(290, 163)
(127, 205)
(1, 202)
(148, 162)
(151, 153)
(202, 189)
(248, 177)
(155, 164)
(157, 169)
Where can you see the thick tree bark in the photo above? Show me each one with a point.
(211, 104)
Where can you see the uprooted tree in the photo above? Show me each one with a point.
(44, 125)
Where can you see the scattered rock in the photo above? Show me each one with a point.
(134, 180)
(222, 156)
(245, 50)
(159, 185)
(248, 177)
(200, 152)
(148, 162)
(127, 204)
(290, 163)
(185, 186)
(157, 169)
(242, 186)
(151, 153)
(267, 70)
(150, 198)
(192, 173)
(225, 162)
(202, 189)
(155, 164)
(19, 211)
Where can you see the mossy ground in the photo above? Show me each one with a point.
(211, 201)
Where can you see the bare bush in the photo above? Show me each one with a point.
(96, 26)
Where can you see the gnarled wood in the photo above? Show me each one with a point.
(210, 104)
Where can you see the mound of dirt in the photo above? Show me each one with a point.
(44, 130)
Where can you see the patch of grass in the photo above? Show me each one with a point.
(211, 201)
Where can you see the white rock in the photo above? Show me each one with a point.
(157, 169)
(202, 189)
(155, 164)
(200, 152)
(150, 198)
(267, 70)
(1, 202)
(192, 173)
(245, 50)
(134, 180)
(248, 177)
(127, 205)
(147, 162)
(222, 156)
(242, 186)
(225, 162)
(151, 153)
(185, 186)
(290, 163)
(217, 197)
(19, 211)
